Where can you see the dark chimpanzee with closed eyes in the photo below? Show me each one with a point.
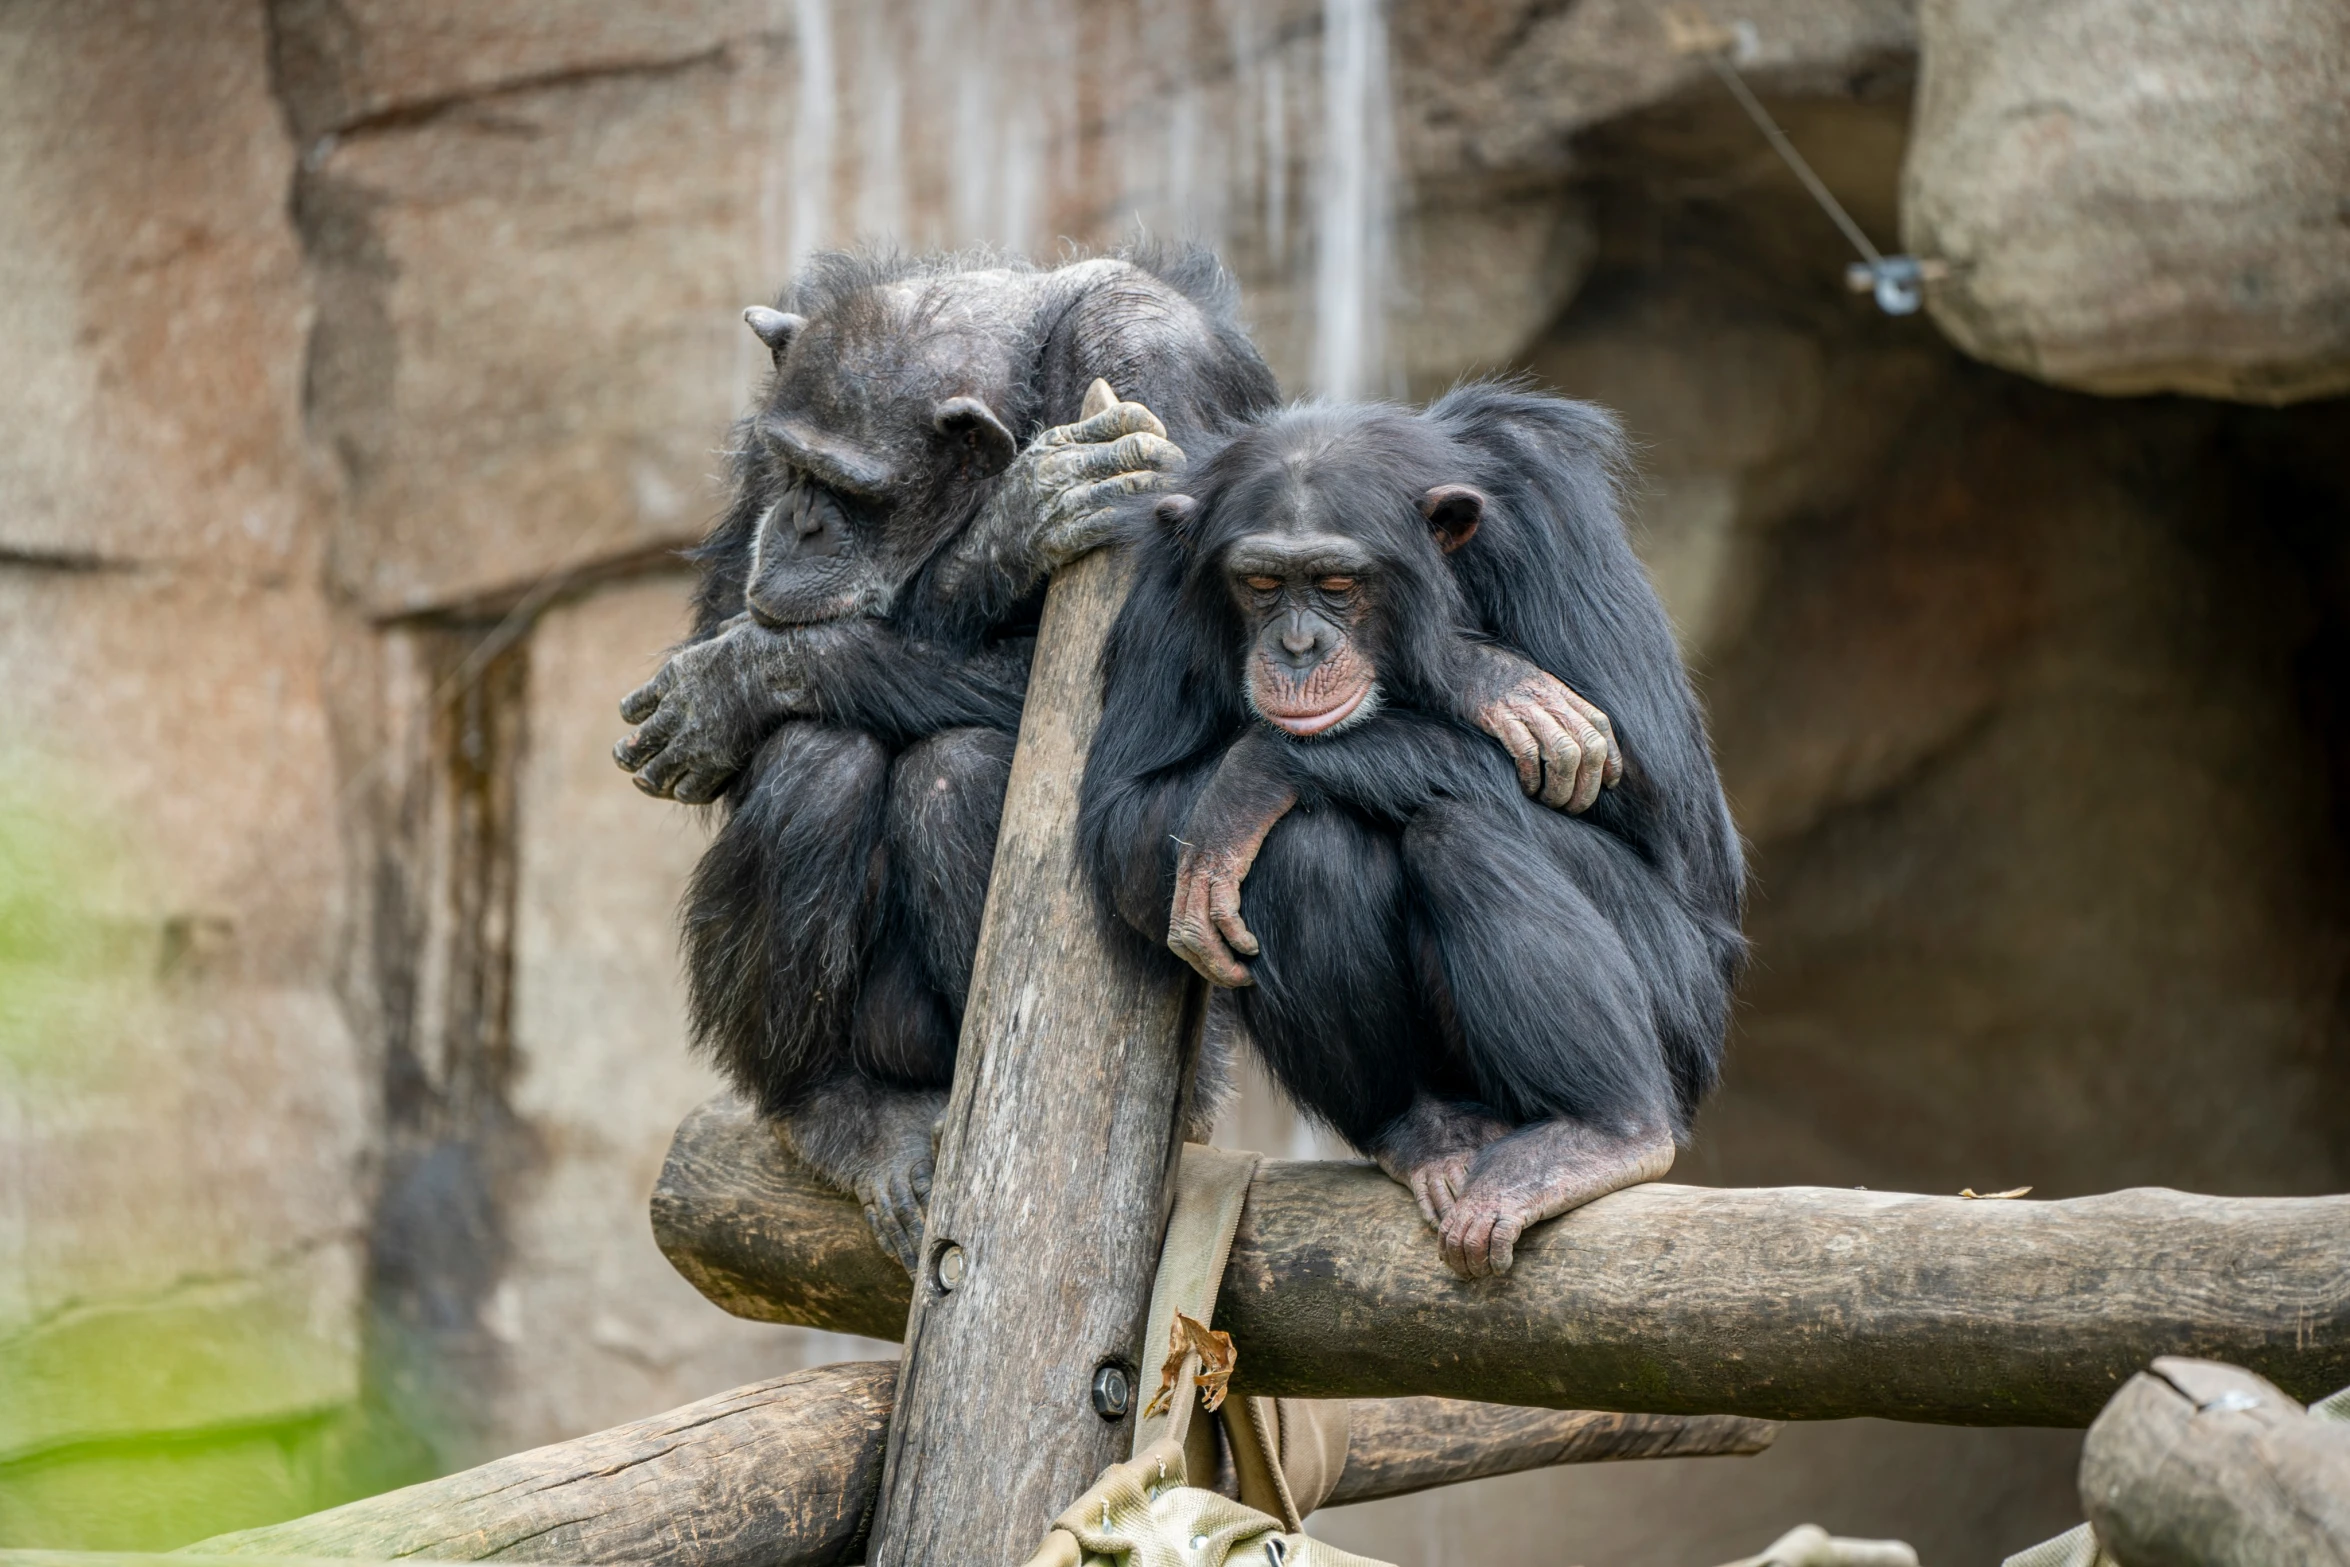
(1513, 1010)
(927, 451)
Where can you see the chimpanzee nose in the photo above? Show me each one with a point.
(1298, 641)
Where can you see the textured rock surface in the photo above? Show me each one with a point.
(151, 299)
(2139, 197)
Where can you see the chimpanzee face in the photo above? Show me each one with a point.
(1308, 599)
(1317, 603)
(875, 432)
(813, 558)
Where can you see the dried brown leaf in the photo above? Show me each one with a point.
(1217, 1357)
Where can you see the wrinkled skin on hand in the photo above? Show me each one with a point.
(1054, 503)
(1220, 840)
(708, 707)
(1565, 748)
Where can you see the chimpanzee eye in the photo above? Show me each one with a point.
(1263, 584)
(1337, 584)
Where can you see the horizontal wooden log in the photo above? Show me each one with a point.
(2201, 1465)
(1785, 1303)
(1396, 1446)
(784, 1474)
(780, 1472)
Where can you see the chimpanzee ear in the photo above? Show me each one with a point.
(988, 447)
(1177, 514)
(775, 328)
(1453, 512)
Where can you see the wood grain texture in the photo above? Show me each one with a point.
(1797, 1303)
(775, 1474)
(750, 1227)
(2196, 1464)
(1397, 1446)
(1789, 1303)
(1054, 1164)
(785, 1473)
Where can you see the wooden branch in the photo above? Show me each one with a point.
(1400, 1445)
(1055, 1162)
(2196, 1464)
(778, 1472)
(1796, 1303)
(785, 1474)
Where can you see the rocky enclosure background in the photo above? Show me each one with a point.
(363, 363)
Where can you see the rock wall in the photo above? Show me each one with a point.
(367, 358)
(2139, 197)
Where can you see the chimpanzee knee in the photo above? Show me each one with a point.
(1552, 1007)
(777, 914)
(946, 799)
(1325, 901)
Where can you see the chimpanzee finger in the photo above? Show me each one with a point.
(1196, 943)
(889, 1228)
(1477, 1245)
(660, 775)
(1112, 422)
(1590, 769)
(1501, 1249)
(1423, 1179)
(698, 787)
(648, 742)
(1519, 742)
(909, 1211)
(1562, 758)
(1607, 732)
(640, 704)
(1224, 910)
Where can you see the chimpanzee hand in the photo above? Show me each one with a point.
(710, 706)
(1565, 748)
(1220, 840)
(1077, 472)
(1054, 502)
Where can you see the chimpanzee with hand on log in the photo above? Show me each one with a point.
(1514, 1010)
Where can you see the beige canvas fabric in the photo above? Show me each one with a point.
(1288, 1453)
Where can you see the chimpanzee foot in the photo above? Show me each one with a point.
(880, 1146)
(1430, 1147)
(1537, 1173)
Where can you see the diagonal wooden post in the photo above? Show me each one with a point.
(1054, 1165)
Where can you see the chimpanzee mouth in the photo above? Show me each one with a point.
(1359, 700)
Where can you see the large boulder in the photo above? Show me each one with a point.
(2139, 196)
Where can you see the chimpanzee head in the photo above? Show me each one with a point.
(1317, 539)
(889, 408)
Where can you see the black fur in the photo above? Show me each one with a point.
(1424, 925)
(830, 927)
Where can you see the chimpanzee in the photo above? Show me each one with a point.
(1513, 1010)
(860, 650)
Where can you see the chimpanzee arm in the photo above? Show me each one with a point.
(1249, 793)
(715, 700)
(1563, 746)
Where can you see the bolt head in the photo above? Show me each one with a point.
(950, 1266)
(1113, 1392)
